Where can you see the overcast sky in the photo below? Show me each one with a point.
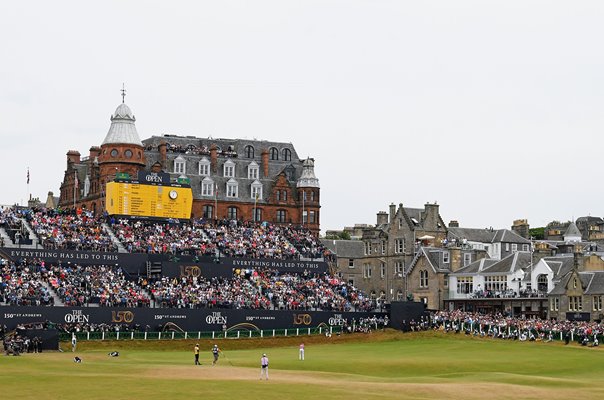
(494, 109)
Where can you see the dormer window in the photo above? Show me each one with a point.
(287, 155)
(249, 151)
(229, 169)
(253, 170)
(256, 190)
(232, 188)
(207, 187)
(179, 165)
(204, 167)
(273, 153)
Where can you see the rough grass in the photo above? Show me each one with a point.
(385, 365)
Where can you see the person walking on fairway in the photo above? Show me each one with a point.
(196, 352)
(74, 342)
(215, 351)
(301, 351)
(264, 367)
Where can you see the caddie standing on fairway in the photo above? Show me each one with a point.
(74, 342)
(215, 351)
(196, 352)
(264, 367)
(302, 351)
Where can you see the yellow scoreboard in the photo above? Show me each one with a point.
(143, 200)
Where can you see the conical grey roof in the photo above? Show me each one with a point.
(308, 178)
(122, 129)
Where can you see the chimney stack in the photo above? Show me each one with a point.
(265, 163)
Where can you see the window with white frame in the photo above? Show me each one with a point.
(351, 280)
(495, 283)
(423, 278)
(366, 270)
(399, 246)
(207, 187)
(575, 303)
(467, 259)
(514, 247)
(281, 216)
(525, 247)
(256, 190)
(464, 284)
(554, 304)
(179, 165)
(398, 267)
(229, 169)
(351, 263)
(253, 170)
(382, 270)
(597, 303)
(367, 248)
(383, 247)
(507, 247)
(446, 257)
(232, 188)
(204, 167)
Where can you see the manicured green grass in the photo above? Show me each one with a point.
(380, 365)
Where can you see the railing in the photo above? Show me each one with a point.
(233, 334)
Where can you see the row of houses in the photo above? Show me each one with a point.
(411, 254)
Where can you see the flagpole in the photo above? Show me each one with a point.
(255, 202)
(28, 192)
(303, 198)
(75, 187)
(216, 202)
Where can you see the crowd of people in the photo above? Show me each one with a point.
(501, 326)
(23, 285)
(159, 237)
(105, 285)
(249, 239)
(82, 231)
(69, 230)
(260, 289)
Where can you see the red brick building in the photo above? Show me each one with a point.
(230, 178)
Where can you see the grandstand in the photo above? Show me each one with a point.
(186, 273)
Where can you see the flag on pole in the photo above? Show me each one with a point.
(28, 176)
(77, 184)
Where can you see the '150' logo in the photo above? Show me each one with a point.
(302, 319)
(122, 316)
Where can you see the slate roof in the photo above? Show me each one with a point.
(512, 263)
(572, 230)
(434, 257)
(486, 235)
(476, 266)
(559, 265)
(345, 248)
(275, 167)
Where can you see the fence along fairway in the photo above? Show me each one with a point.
(427, 365)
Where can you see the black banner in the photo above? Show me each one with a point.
(134, 263)
(280, 265)
(78, 257)
(206, 319)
